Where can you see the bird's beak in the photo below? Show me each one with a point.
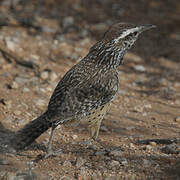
(146, 27)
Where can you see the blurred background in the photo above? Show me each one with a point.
(92, 17)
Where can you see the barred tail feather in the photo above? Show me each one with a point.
(31, 131)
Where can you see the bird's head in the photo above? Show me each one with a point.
(116, 41)
(124, 35)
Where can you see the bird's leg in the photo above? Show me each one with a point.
(94, 130)
(50, 151)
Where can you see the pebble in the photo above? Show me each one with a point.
(10, 44)
(14, 85)
(21, 80)
(26, 89)
(116, 153)
(140, 68)
(148, 147)
(42, 90)
(67, 21)
(153, 143)
(44, 75)
(93, 147)
(47, 29)
(40, 102)
(114, 163)
(148, 106)
(122, 92)
(138, 109)
(124, 161)
(80, 162)
(177, 119)
(74, 136)
(7, 66)
(171, 149)
(130, 128)
(17, 112)
(132, 145)
(53, 76)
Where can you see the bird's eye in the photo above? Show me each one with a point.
(135, 33)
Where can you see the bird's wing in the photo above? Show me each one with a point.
(82, 93)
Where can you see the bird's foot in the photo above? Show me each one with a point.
(50, 152)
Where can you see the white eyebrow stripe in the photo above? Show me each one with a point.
(125, 33)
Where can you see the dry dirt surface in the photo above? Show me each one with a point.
(41, 40)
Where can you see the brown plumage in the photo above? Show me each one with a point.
(85, 92)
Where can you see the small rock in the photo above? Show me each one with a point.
(138, 109)
(171, 149)
(53, 76)
(148, 147)
(140, 68)
(177, 119)
(14, 85)
(6, 66)
(44, 75)
(114, 163)
(132, 145)
(67, 21)
(153, 143)
(93, 147)
(124, 161)
(17, 112)
(42, 90)
(34, 56)
(21, 80)
(26, 89)
(47, 29)
(40, 102)
(122, 92)
(74, 136)
(116, 153)
(10, 44)
(148, 106)
(130, 128)
(80, 162)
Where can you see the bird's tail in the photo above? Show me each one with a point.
(31, 131)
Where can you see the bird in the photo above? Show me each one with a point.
(87, 90)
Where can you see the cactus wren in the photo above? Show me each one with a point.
(86, 91)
